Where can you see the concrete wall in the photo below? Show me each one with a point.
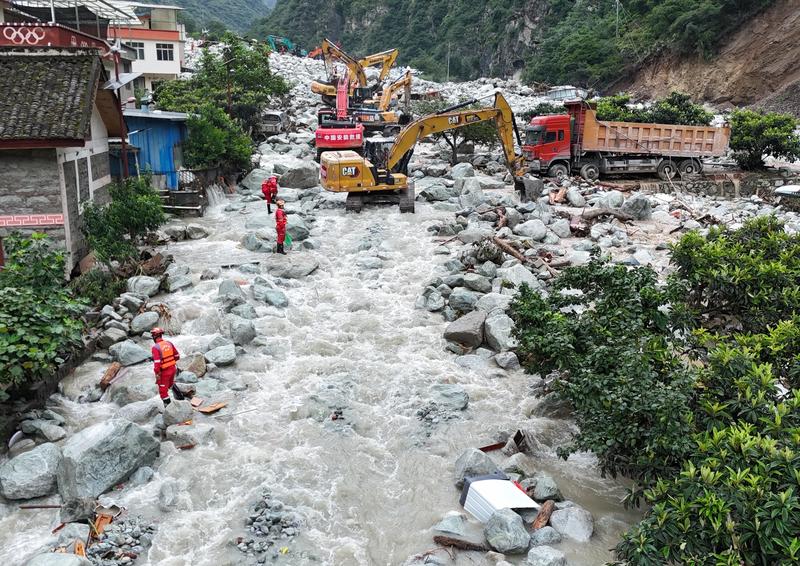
(727, 186)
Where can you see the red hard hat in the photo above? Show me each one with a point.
(156, 332)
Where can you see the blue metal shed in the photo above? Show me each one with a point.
(159, 137)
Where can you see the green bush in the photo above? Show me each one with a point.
(40, 321)
(114, 230)
(242, 67)
(98, 287)
(215, 140)
(688, 388)
(677, 108)
(745, 279)
(755, 133)
(33, 263)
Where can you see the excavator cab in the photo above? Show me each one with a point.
(377, 150)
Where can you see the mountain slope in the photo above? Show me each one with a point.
(761, 58)
(588, 43)
(237, 15)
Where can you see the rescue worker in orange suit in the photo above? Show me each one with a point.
(270, 190)
(165, 360)
(280, 225)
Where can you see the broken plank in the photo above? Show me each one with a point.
(196, 402)
(213, 408)
(458, 543)
(543, 517)
(492, 447)
(506, 247)
(109, 375)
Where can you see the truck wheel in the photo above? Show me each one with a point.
(666, 170)
(590, 172)
(558, 171)
(690, 167)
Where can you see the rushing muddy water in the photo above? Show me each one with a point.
(369, 485)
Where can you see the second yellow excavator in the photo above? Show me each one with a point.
(382, 176)
(359, 89)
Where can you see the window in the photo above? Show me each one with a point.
(137, 46)
(164, 52)
(550, 137)
(560, 135)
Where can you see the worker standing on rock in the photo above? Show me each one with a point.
(280, 225)
(270, 190)
(165, 360)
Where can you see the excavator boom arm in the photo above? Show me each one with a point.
(332, 53)
(389, 91)
(451, 119)
(385, 59)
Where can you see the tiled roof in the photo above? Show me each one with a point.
(47, 96)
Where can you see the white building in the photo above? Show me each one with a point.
(158, 42)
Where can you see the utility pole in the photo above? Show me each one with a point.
(448, 61)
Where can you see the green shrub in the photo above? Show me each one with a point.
(215, 140)
(33, 263)
(40, 321)
(676, 108)
(113, 230)
(744, 279)
(98, 287)
(755, 133)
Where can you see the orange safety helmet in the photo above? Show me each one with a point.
(156, 332)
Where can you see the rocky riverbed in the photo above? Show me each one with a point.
(358, 373)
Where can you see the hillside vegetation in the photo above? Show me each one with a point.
(583, 42)
(235, 14)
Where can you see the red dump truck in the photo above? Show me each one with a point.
(577, 142)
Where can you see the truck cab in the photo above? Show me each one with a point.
(547, 144)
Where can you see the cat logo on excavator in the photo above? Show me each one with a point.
(350, 171)
(453, 120)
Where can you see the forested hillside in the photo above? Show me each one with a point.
(237, 15)
(583, 42)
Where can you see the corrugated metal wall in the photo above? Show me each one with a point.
(159, 141)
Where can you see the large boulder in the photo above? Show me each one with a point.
(196, 232)
(493, 301)
(467, 330)
(498, 329)
(143, 285)
(519, 274)
(177, 412)
(473, 462)
(57, 559)
(111, 336)
(462, 170)
(546, 488)
(301, 176)
(255, 178)
(505, 532)
(438, 192)
(449, 397)
(534, 229)
(545, 556)
(140, 411)
(463, 300)
(270, 295)
(574, 522)
(296, 227)
(471, 193)
(477, 282)
(545, 535)
(137, 385)
(290, 266)
(128, 353)
(32, 474)
(222, 355)
(101, 456)
(638, 206)
(242, 330)
(190, 435)
(144, 322)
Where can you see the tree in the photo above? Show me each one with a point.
(40, 323)
(756, 133)
(240, 73)
(479, 132)
(114, 230)
(542, 109)
(215, 140)
(677, 108)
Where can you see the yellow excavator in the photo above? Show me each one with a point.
(359, 90)
(382, 176)
(377, 114)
